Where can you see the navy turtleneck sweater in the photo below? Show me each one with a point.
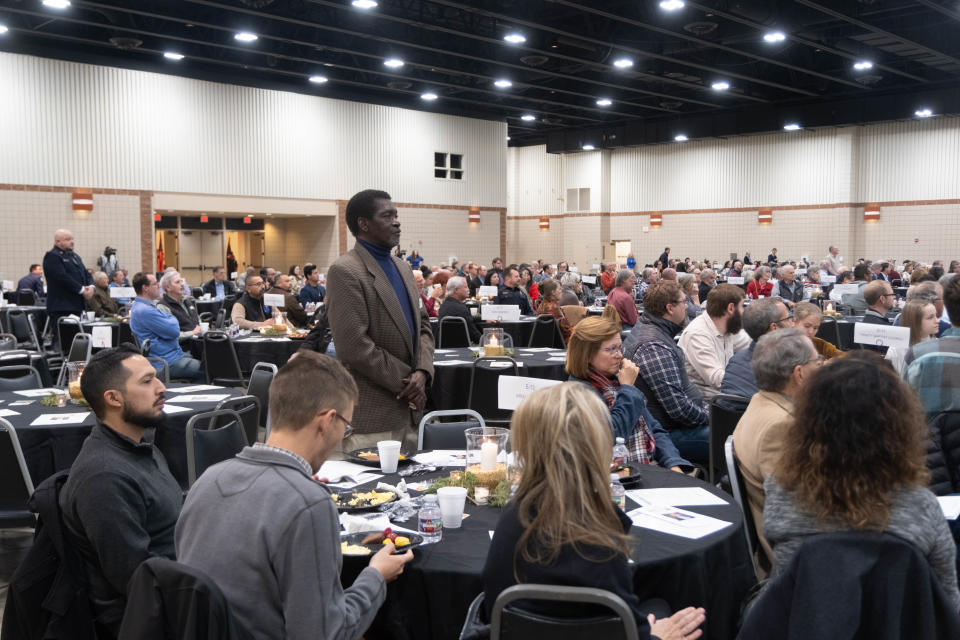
(382, 256)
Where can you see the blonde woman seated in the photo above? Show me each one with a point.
(921, 318)
(808, 316)
(549, 304)
(595, 359)
(561, 527)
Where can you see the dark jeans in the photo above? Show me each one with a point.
(693, 444)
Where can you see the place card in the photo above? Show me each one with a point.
(273, 299)
(200, 397)
(844, 289)
(800, 272)
(38, 393)
(443, 457)
(500, 312)
(102, 336)
(8, 285)
(488, 291)
(591, 280)
(8, 412)
(50, 419)
(122, 292)
(828, 279)
(512, 390)
(676, 522)
(449, 363)
(172, 408)
(881, 335)
(499, 364)
(734, 279)
(675, 497)
(21, 403)
(950, 506)
(193, 388)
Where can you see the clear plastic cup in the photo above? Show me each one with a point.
(452, 501)
(389, 451)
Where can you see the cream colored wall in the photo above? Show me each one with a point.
(28, 220)
(310, 240)
(437, 234)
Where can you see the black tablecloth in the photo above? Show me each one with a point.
(520, 330)
(431, 598)
(32, 358)
(209, 306)
(251, 350)
(48, 449)
(121, 332)
(451, 383)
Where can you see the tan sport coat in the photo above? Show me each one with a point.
(758, 441)
(372, 338)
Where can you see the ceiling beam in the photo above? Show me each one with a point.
(939, 8)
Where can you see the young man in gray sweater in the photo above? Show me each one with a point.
(268, 533)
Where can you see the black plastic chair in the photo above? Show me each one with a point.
(248, 408)
(739, 490)
(145, 348)
(80, 350)
(221, 319)
(546, 333)
(26, 298)
(16, 487)
(196, 292)
(725, 412)
(830, 332)
(259, 386)
(457, 335)
(19, 378)
(206, 316)
(208, 444)
(446, 435)
(20, 325)
(220, 362)
(67, 328)
(487, 404)
(508, 621)
(8, 342)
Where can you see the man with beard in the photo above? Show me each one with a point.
(672, 399)
(710, 340)
(120, 503)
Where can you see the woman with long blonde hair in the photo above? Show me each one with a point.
(561, 526)
(921, 318)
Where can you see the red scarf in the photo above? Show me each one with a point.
(640, 443)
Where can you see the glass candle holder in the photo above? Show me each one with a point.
(492, 341)
(74, 373)
(487, 455)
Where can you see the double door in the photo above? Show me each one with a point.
(200, 252)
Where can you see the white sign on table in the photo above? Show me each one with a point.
(172, 408)
(8, 412)
(677, 522)
(194, 388)
(122, 292)
(200, 397)
(233, 275)
(50, 419)
(102, 337)
(734, 279)
(488, 291)
(589, 279)
(512, 390)
(881, 335)
(500, 312)
(38, 393)
(800, 272)
(844, 289)
(273, 299)
(828, 279)
(8, 285)
(596, 267)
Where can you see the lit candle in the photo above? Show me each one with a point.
(481, 495)
(829, 306)
(488, 456)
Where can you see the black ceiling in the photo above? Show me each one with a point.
(456, 49)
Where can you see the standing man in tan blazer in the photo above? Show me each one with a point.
(782, 361)
(381, 334)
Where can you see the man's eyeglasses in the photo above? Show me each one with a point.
(680, 301)
(818, 361)
(884, 295)
(347, 427)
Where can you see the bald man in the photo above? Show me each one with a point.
(68, 282)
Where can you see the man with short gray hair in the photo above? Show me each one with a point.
(759, 318)
(101, 303)
(621, 298)
(649, 275)
(174, 303)
(453, 306)
(788, 288)
(708, 280)
(572, 289)
(782, 362)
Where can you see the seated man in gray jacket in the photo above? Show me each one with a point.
(282, 575)
(759, 318)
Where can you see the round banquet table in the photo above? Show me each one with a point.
(121, 332)
(21, 357)
(451, 382)
(519, 331)
(431, 597)
(51, 448)
(255, 348)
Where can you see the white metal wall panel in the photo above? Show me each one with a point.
(537, 177)
(70, 124)
(584, 170)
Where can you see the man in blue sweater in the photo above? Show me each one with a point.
(162, 329)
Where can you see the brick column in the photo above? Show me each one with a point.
(342, 226)
(148, 259)
(503, 234)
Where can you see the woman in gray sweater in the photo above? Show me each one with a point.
(854, 460)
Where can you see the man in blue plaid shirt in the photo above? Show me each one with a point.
(671, 398)
(933, 366)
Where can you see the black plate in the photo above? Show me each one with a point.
(357, 538)
(634, 476)
(346, 496)
(354, 456)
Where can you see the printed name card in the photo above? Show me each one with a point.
(844, 289)
(881, 335)
(512, 390)
(500, 312)
(589, 279)
(102, 336)
(734, 279)
(596, 267)
(8, 285)
(801, 272)
(122, 292)
(273, 300)
(489, 291)
(828, 279)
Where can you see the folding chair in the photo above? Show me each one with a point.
(488, 405)
(248, 408)
(16, 487)
(739, 490)
(546, 333)
(259, 386)
(220, 363)
(458, 333)
(210, 444)
(508, 621)
(446, 435)
(19, 378)
(723, 420)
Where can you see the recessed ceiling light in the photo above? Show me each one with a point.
(515, 38)
(393, 63)
(923, 113)
(623, 63)
(172, 55)
(56, 4)
(588, 147)
(245, 36)
(775, 36)
(3, 28)
(528, 117)
(317, 79)
(720, 86)
(503, 83)
(793, 126)
(429, 97)
(604, 102)
(863, 65)
(680, 138)
(364, 4)
(671, 5)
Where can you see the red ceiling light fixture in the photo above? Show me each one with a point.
(83, 200)
(765, 216)
(656, 219)
(544, 224)
(871, 212)
(204, 219)
(474, 215)
(247, 219)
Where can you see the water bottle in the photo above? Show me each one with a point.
(620, 454)
(430, 521)
(617, 493)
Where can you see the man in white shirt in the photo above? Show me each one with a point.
(711, 339)
(834, 261)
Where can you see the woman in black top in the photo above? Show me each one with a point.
(561, 527)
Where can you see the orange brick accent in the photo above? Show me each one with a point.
(147, 255)
(342, 226)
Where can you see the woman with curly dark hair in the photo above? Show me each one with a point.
(854, 459)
